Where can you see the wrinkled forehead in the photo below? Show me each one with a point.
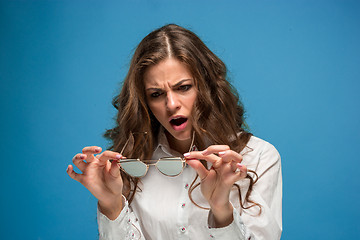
(168, 71)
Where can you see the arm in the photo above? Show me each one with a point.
(125, 226)
(217, 182)
(242, 223)
(267, 191)
(102, 178)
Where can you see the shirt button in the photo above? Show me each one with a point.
(183, 205)
(183, 229)
(186, 186)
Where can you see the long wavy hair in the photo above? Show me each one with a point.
(218, 115)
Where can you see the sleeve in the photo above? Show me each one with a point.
(235, 231)
(267, 191)
(125, 226)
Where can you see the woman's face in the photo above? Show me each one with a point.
(171, 94)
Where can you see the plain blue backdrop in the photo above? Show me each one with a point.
(296, 65)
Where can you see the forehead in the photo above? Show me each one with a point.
(169, 70)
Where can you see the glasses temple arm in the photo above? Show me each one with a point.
(127, 141)
(192, 141)
(125, 145)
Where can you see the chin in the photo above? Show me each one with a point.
(180, 136)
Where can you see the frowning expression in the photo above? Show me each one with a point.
(171, 94)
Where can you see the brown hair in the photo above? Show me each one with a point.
(218, 115)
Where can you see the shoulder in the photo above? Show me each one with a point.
(258, 151)
(261, 145)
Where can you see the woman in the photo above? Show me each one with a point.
(213, 178)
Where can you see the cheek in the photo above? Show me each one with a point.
(156, 110)
(192, 101)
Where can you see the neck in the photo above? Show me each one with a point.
(181, 146)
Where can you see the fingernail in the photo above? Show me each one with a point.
(67, 169)
(97, 149)
(205, 152)
(239, 165)
(221, 154)
(118, 156)
(186, 154)
(82, 156)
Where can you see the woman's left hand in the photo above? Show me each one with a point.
(216, 182)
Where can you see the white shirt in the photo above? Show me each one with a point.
(163, 210)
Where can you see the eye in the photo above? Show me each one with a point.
(185, 87)
(155, 94)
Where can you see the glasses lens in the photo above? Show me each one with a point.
(133, 167)
(171, 166)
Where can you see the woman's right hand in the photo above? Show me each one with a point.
(101, 177)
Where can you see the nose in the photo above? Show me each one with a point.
(172, 102)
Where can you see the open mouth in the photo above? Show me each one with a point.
(179, 123)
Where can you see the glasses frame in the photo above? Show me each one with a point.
(183, 161)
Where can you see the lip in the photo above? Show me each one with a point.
(180, 127)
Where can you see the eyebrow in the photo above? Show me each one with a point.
(174, 86)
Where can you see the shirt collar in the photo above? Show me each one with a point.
(163, 144)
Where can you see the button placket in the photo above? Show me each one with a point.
(183, 209)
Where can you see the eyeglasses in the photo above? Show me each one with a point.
(169, 166)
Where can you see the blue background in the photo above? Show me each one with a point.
(296, 65)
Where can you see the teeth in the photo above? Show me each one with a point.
(176, 118)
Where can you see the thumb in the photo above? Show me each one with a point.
(113, 178)
(114, 169)
(198, 167)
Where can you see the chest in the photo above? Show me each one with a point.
(163, 205)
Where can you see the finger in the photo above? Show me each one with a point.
(91, 150)
(109, 155)
(112, 177)
(115, 169)
(78, 161)
(72, 174)
(212, 158)
(215, 149)
(199, 168)
(229, 156)
(234, 166)
(241, 174)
